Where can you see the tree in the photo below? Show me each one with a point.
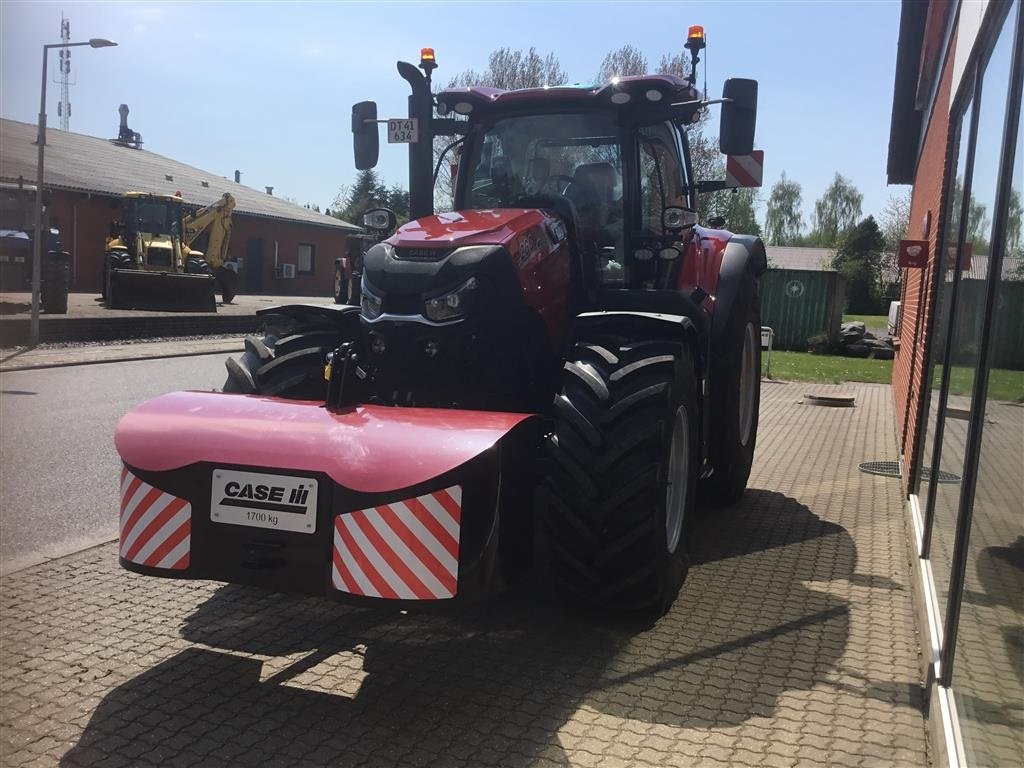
(859, 260)
(367, 192)
(783, 221)
(509, 70)
(738, 208)
(896, 219)
(835, 212)
(624, 62)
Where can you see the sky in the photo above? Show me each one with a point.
(267, 88)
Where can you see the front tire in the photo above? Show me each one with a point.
(734, 397)
(288, 361)
(623, 468)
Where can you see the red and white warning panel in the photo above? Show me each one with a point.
(407, 550)
(156, 527)
(744, 170)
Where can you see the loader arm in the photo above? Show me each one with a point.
(216, 218)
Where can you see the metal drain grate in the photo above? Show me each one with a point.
(883, 468)
(892, 469)
(944, 477)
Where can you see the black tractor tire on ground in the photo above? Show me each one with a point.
(288, 361)
(346, 289)
(227, 283)
(111, 260)
(733, 398)
(623, 461)
(55, 286)
(196, 266)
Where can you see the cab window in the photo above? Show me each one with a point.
(661, 179)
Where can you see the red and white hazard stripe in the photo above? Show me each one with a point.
(407, 550)
(156, 527)
(745, 170)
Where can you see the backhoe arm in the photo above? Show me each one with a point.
(216, 217)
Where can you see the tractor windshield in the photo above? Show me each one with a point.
(554, 158)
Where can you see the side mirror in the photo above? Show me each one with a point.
(365, 139)
(381, 220)
(674, 218)
(739, 116)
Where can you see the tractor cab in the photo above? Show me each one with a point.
(610, 161)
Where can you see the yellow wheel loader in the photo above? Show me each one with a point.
(149, 262)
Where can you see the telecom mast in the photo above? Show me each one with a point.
(64, 107)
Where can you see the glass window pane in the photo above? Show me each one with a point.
(988, 672)
(941, 552)
(969, 312)
(305, 260)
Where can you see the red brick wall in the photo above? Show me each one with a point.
(328, 244)
(84, 221)
(927, 204)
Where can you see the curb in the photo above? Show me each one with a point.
(223, 350)
(23, 563)
(14, 332)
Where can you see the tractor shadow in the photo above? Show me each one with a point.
(495, 682)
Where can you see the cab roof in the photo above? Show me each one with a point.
(625, 93)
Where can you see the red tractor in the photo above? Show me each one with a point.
(568, 352)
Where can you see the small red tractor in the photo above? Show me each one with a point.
(567, 358)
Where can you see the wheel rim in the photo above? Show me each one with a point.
(748, 383)
(678, 479)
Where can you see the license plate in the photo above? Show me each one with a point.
(403, 131)
(278, 502)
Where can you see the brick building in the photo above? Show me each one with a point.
(958, 380)
(86, 176)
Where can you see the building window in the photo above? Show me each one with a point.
(307, 253)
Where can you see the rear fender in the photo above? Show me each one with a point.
(742, 254)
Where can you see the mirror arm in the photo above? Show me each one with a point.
(715, 185)
(701, 102)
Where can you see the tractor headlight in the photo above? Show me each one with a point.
(452, 305)
(370, 303)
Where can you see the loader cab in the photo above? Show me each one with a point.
(152, 214)
(151, 230)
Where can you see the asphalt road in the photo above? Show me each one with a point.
(58, 467)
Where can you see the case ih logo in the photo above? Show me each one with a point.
(278, 502)
(266, 497)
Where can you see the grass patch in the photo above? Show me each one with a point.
(1004, 385)
(826, 369)
(871, 321)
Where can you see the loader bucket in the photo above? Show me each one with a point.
(364, 503)
(162, 291)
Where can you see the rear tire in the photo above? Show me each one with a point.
(623, 468)
(735, 392)
(288, 361)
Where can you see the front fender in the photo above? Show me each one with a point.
(743, 254)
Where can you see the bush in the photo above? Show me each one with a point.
(819, 344)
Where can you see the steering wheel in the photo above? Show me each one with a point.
(562, 177)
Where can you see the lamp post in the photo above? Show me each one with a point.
(37, 245)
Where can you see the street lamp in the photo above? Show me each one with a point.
(37, 246)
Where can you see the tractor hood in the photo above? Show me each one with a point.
(458, 228)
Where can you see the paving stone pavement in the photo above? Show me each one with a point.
(792, 643)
